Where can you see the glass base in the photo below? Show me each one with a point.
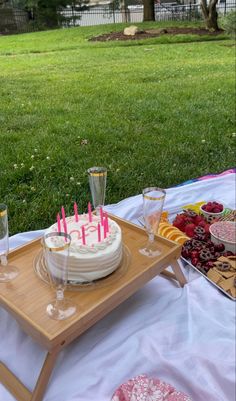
(8, 273)
(151, 250)
(61, 310)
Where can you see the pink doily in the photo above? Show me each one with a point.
(143, 388)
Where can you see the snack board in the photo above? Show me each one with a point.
(187, 226)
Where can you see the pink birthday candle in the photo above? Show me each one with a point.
(90, 212)
(99, 232)
(83, 235)
(104, 230)
(101, 215)
(106, 221)
(64, 219)
(76, 212)
(58, 223)
(63, 213)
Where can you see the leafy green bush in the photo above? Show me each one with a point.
(228, 22)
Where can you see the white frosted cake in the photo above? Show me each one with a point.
(95, 252)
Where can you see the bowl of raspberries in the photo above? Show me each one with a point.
(212, 210)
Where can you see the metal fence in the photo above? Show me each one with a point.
(19, 21)
(14, 21)
(133, 14)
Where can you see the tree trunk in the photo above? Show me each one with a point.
(148, 10)
(210, 14)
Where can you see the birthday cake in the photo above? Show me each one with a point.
(96, 246)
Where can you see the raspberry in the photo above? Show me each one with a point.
(213, 207)
(216, 210)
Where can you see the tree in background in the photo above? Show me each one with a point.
(148, 10)
(210, 14)
(44, 13)
(47, 12)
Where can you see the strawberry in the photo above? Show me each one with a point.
(197, 219)
(202, 223)
(189, 229)
(206, 228)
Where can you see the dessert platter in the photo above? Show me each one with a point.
(207, 233)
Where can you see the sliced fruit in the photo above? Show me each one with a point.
(181, 239)
(164, 216)
(174, 232)
(163, 225)
(166, 230)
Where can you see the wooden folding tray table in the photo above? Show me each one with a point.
(26, 297)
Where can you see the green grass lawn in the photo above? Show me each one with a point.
(155, 112)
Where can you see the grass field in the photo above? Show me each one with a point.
(153, 112)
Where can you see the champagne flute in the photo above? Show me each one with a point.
(56, 252)
(97, 183)
(153, 201)
(7, 272)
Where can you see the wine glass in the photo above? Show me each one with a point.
(153, 201)
(56, 252)
(7, 272)
(97, 183)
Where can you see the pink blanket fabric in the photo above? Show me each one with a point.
(143, 388)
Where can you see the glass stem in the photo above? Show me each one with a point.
(151, 237)
(3, 260)
(59, 296)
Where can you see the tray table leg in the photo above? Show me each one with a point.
(13, 384)
(178, 272)
(44, 376)
(18, 389)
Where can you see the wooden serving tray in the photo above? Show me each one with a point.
(26, 298)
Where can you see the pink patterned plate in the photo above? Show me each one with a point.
(143, 388)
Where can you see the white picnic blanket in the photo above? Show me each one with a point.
(183, 336)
